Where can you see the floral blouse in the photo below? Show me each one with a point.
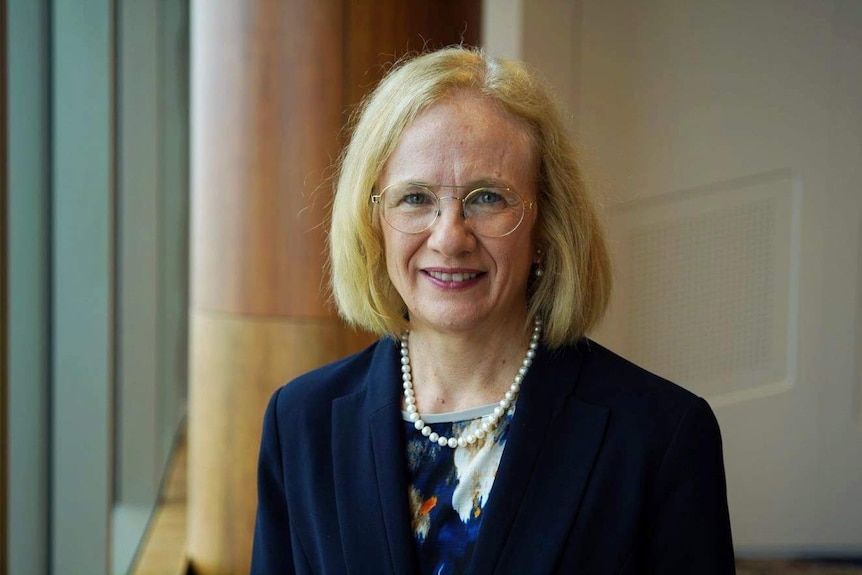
(449, 488)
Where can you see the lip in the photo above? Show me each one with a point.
(453, 278)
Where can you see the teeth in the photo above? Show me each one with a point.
(447, 277)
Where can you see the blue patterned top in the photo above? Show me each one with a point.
(449, 488)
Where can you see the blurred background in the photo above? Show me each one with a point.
(166, 172)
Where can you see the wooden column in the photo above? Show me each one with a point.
(271, 82)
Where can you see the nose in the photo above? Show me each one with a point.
(450, 234)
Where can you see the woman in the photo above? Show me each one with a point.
(483, 433)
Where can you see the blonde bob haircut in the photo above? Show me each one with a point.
(571, 296)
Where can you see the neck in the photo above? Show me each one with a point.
(461, 370)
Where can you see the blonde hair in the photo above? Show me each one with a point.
(572, 295)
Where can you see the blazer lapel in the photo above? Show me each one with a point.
(550, 452)
(370, 478)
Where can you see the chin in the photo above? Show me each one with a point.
(455, 321)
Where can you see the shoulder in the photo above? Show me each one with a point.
(608, 378)
(315, 390)
(657, 449)
(639, 403)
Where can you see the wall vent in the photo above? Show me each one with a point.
(708, 279)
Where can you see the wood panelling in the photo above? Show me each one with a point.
(377, 33)
(266, 105)
(269, 89)
(271, 81)
(237, 363)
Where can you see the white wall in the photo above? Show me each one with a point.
(729, 133)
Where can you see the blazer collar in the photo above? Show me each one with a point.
(370, 477)
(550, 452)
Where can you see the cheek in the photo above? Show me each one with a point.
(517, 259)
(397, 251)
(390, 246)
(527, 257)
(389, 255)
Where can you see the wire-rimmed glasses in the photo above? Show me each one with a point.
(490, 211)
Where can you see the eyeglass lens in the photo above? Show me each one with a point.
(490, 211)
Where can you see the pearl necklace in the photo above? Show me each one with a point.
(490, 422)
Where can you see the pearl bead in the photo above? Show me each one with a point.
(487, 426)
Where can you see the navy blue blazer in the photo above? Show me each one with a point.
(607, 469)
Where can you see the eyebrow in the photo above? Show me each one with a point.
(472, 185)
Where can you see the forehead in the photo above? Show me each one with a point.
(462, 139)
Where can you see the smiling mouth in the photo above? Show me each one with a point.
(456, 277)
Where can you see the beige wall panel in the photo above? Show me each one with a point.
(236, 365)
(697, 110)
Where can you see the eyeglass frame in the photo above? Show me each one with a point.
(528, 205)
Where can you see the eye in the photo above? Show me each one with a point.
(486, 196)
(417, 197)
(409, 197)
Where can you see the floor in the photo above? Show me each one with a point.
(776, 567)
(163, 551)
